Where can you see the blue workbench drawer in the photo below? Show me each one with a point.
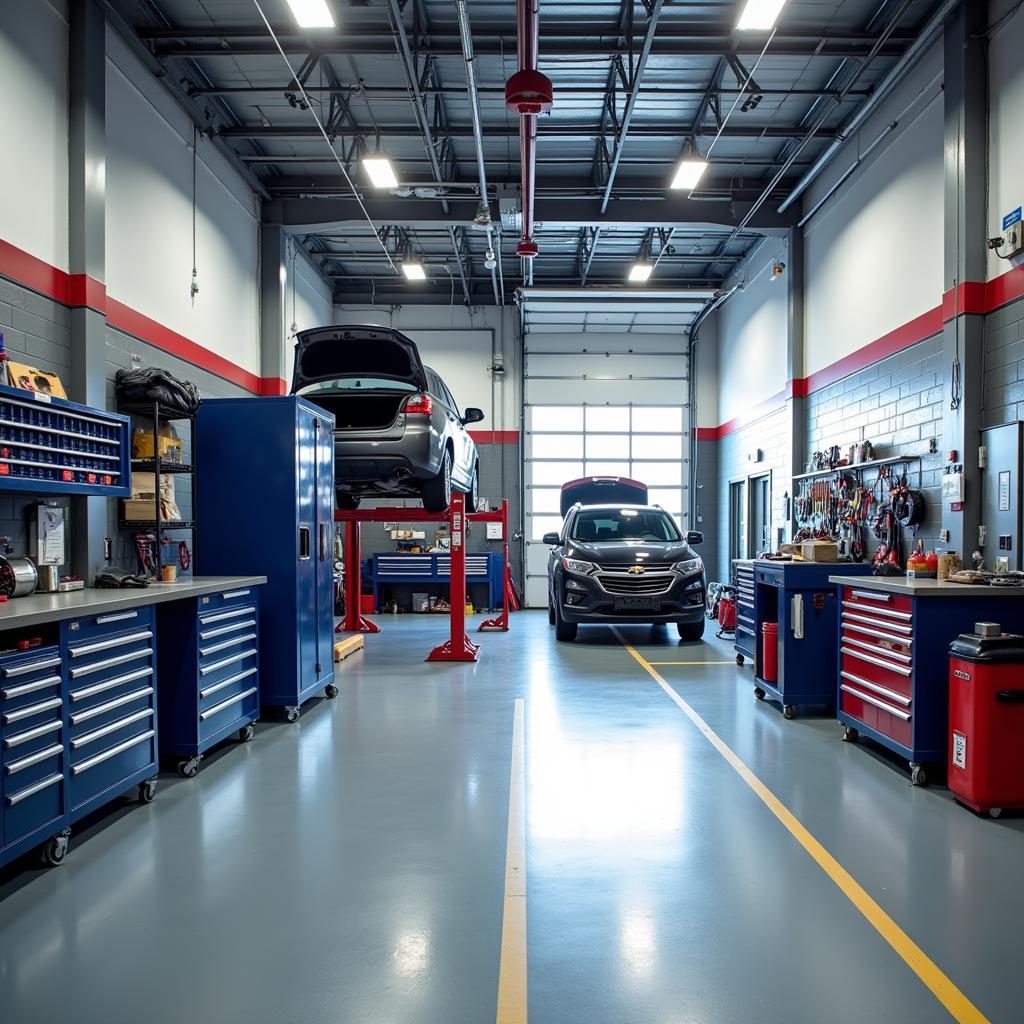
(33, 792)
(227, 599)
(25, 678)
(232, 707)
(107, 625)
(102, 774)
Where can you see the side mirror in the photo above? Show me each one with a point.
(473, 415)
(551, 538)
(695, 537)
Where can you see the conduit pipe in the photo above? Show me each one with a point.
(528, 93)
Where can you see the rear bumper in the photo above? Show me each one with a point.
(365, 464)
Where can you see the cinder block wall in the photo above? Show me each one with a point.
(1004, 365)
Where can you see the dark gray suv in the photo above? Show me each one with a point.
(623, 563)
(398, 432)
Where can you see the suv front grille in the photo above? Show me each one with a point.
(639, 585)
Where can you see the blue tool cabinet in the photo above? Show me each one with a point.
(265, 497)
(745, 644)
(209, 677)
(799, 597)
(486, 568)
(52, 446)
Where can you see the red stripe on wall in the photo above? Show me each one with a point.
(87, 291)
(495, 436)
(273, 387)
(1006, 288)
(33, 273)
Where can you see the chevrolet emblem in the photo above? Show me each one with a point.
(636, 570)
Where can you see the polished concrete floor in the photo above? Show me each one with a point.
(350, 868)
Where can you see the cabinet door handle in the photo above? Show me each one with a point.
(798, 616)
(303, 543)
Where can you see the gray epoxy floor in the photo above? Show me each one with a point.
(349, 868)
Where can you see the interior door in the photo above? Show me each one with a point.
(760, 513)
(306, 564)
(324, 467)
(737, 519)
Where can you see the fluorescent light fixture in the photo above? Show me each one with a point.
(640, 271)
(312, 13)
(760, 15)
(414, 271)
(689, 172)
(380, 171)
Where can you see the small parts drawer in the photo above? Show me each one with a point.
(226, 599)
(27, 679)
(878, 603)
(878, 707)
(107, 623)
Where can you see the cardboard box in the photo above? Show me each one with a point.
(168, 445)
(819, 551)
(142, 504)
(30, 378)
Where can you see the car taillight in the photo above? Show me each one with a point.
(418, 405)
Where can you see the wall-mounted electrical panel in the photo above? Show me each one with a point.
(1013, 235)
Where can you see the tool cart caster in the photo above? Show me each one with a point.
(788, 712)
(739, 659)
(188, 768)
(330, 691)
(147, 791)
(995, 812)
(850, 735)
(918, 776)
(759, 693)
(55, 849)
(247, 733)
(291, 713)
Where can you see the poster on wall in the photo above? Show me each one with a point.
(29, 378)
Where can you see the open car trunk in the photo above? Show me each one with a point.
(346, 353)
(372, 410)
(602, 490)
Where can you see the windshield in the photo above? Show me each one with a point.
(356, 384)
(609, 524)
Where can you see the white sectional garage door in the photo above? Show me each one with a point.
(604, 404)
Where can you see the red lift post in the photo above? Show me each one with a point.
(459, 647)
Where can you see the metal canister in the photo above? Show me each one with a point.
(17, 576)
(49, 579)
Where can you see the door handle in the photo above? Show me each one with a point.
(303, 543)
(798, 616)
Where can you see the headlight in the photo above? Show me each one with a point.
(578, 567)
(689, 567)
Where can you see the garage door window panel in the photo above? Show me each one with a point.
(564, 419)
(658, 446)
(554, 473)
(658, 419)
(558, 446)
(607, 419)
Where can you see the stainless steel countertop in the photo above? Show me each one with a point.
(35, 609)
(925, 588)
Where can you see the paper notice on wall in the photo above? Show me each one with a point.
(51, 536)
(959, 750)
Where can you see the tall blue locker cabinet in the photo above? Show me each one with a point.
(265, 502)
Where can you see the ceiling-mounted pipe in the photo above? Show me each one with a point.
(528, 93)
(483, 216)
(884, 88)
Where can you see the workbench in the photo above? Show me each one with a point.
(79, 704)
(486, 568)
(893, 658)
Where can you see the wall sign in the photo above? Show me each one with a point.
(1004, 491)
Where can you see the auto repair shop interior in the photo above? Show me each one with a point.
(511, 511)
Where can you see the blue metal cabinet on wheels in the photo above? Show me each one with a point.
(743, 580)
(799, 598)
(265, 497)
(209, 677)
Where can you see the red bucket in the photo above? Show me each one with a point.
(366, 605)
(726, 613)
(770, 652)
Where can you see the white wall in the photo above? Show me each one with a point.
(34, 122)
(149, 219)
(1006, 139)
(707, 375)
(456, 342)
(874, 252)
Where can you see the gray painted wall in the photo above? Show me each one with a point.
(1004, 364)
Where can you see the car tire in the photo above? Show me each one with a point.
(551, 611)
(437, 493)
(564, 631)
(473, 494)
(346, 501)
(691, 630)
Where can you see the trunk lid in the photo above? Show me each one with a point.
(603, 490)
(349, 352)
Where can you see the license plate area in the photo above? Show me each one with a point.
(636, 604)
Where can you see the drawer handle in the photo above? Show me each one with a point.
(40, 755)
(880, 662)
(34, 666)
(743, 629)
(36, 787)
(871, 595)
(99, 666)
(106, 645)
(853, 627)
(39, 684)
(876, 702)
(30, 734)
(225, 644)
(109, 684)
(229, 594)
(231, 628)
(105, 730)
(227, 682)
(205, 670)
(32, 710)
(896, 627)
(889, 613)
(871, 649)
(882, 691)
(84, 716)
(224, 704)
(106, 755)
(119, 617)
(220, 616)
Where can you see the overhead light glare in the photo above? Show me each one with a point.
(689, 172)
(380, 172)
(414, 271)
(640, 271)
(760, 15)
(312, 13)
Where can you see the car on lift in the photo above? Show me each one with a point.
(398, 432)
(620, 560)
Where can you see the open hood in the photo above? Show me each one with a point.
(332, 353)
(603, 490)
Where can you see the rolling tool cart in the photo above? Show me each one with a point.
(743, 581)
(893, 658)
(265, 486)
(800, 602)
(209, 678)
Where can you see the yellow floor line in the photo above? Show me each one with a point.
(731, 661)
(512, 970)
(959, 1006)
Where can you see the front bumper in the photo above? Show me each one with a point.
(586, 599)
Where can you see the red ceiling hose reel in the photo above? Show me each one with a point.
(529, 91)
